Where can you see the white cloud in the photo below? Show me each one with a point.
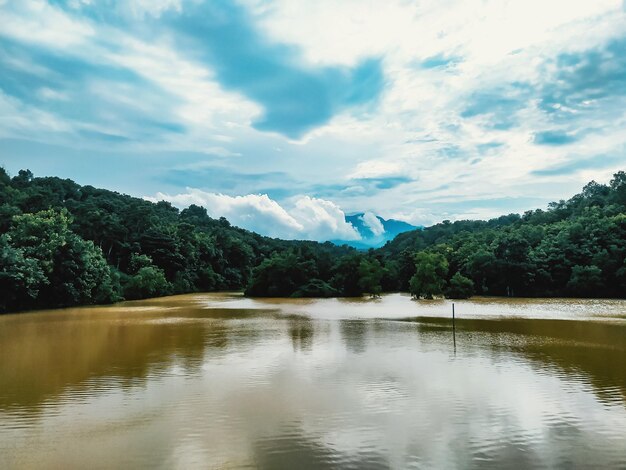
(36, 21)
(206, 106)
(306, 218)
(323, 220)
(342, 32)
(416, 128)
(195, 100)
(20, 120)
(419, 217)
(52, 95)
(140, 8)
(419, 116)
(376, 169)
(373, 223)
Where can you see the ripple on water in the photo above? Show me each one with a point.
(330, 386)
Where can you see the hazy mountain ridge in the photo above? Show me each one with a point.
(374, 230)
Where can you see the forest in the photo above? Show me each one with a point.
(62, 244)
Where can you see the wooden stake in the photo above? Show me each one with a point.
(453, 328)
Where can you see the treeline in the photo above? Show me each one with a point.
(63, 244)
(574, 248)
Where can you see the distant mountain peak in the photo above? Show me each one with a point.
(374, 230)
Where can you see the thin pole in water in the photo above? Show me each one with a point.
(453, 328)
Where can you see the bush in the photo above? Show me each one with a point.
(149, 281)
(316, 288)
(460, 287)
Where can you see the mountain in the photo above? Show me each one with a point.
(374, 230)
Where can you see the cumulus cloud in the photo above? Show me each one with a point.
(295, 98)
(373, 169)
(373, 223)
(305, 218)
(481, 99)
(323, 220)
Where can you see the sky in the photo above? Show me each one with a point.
(285, 115)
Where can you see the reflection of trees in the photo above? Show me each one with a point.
(301, 330)
(353, 333)
(44, 354)
(596, 349)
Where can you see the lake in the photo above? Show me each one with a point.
(222, 381)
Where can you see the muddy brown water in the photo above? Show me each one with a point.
(221, 381)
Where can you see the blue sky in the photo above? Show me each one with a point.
(283, 116)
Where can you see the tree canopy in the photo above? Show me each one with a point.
(64, 244)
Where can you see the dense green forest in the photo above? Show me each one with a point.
(63, 244)
(574, 248)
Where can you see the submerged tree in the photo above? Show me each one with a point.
(460, 287)
(370, 275)
(430, 274)
(280, 276)
(346, 276)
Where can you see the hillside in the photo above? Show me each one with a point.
(64, 244)
(577, 247)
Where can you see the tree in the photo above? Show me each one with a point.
(513, 268)
(146, 281)
(585, 281)
(41, 235)
(280, 276)
(618, 187)
(22, 179)
(21, 278)
(346, 276)
(65, 244)
(80, 275)
(430, 274)
(460, 287)
(370, 275)
(63, 269)
(480, 266)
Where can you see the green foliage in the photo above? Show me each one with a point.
(535, 254)
(44, 263)
(370, 274)
(460, 287)
(430, 274)
(137, 262)
(21, 278)
(346, 276)
(80, 275)
(585, 281)
(149, 281)
(316, 288)
(65, 244)
(281, 275)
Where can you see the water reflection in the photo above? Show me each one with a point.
(596, 350)
(354, 335)
(301, 331)
(295, 449)
(41, 356)
(219, 381)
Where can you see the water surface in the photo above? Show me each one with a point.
(221, 381)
